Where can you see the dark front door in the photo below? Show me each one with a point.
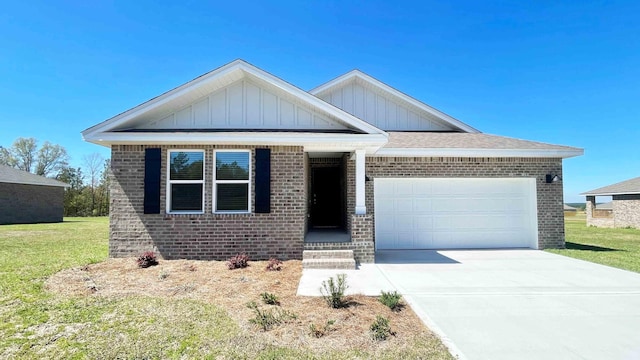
(326, 197)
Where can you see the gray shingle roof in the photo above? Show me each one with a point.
(444, 140)
(15, 176)
(571, 208)
(631, 186)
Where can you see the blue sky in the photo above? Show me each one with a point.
(559, 72)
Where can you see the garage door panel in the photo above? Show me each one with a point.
(455, 213)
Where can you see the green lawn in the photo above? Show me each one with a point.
(614, 247)
(35, 323)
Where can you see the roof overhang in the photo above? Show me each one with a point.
(310, 141)
(611, 193)
(459, 152)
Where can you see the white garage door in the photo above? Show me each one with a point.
(455, 213)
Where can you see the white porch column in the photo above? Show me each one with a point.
(361, 208)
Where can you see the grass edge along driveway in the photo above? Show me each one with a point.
(618, 248)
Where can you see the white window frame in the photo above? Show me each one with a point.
(170, 182)
(214, 204)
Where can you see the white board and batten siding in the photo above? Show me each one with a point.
(455, 213)
(244, 105)
(382, 110)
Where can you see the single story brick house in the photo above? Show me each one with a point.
(27, 198)
(239, 160)
(625, 205)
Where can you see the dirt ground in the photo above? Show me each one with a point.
(212, 282)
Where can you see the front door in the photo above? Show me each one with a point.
(326, 197)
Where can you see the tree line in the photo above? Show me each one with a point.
(88, 194)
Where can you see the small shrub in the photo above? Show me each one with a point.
(238, 261)
(147, 259)
(267, 319)
(380, 329)
(274, 265)
(319, 332)
(270, 299)
(333, 291)
(391, 300)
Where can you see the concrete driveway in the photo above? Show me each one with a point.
(510, 304)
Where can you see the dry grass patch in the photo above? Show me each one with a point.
(316, 327)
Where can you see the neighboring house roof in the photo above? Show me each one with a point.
(324, 91)
(631, 186)
(15, 176)
(240, 104)
(469, 145)
(569, 208)
(605, 206)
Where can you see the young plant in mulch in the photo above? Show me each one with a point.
(269, 298)
(391, 299)
(147, 259)
(333, 291)
(270, 318)
(380, 328)
(274, 264)
(318, 332)
(238, 261)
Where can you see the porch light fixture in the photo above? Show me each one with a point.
(367, 178)
(553, 178)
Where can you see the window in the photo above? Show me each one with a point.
(231, 180)
(185, 188)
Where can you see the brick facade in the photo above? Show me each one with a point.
(207, 236)
(625, 213)
(281, 232)
(549, 196)
(29, 204)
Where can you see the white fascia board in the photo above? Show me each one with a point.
(237, 65)
(612, 193)
(420, 105)
(455, 152)
(311, 142)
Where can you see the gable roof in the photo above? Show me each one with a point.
(631, 186)
(111, 130)
(357, 75)
(15, 176)
(469, 145)
(569, 208)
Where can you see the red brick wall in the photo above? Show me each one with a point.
(549, 196)
(207, 236)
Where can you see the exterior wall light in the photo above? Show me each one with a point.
(553, 178)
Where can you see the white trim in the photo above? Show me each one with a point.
(169, 182)
(379, 84)
(361, 207)
(459, 152)
(319, 140)
(97, 131)
(214, 206)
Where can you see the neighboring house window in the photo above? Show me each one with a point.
(231, 179)
(185, 188)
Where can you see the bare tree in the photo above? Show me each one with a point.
(93, 163)
(51, 159)
(24, 153)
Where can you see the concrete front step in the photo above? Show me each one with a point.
(327, 254)
(345, 264)
(328, 259)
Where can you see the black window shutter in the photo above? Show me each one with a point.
(263, 181)
(152, 168)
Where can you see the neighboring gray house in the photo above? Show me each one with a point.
(27, 198)
(625, 205)
(238, 160)
(570, 210)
